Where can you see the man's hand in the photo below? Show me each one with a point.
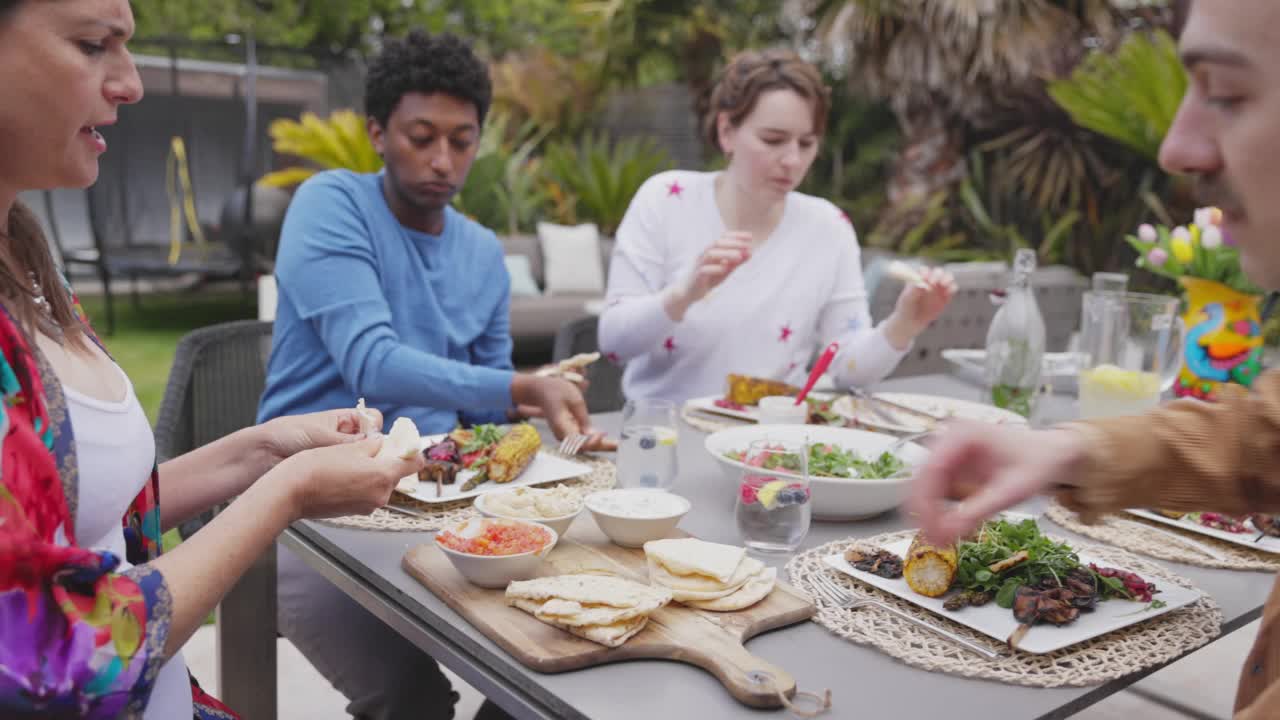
(561, 404)
(988, 469)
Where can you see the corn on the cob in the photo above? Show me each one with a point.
(513, 453)
(929, 569)
(746, 390)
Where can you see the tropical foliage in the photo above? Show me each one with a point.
(988, 159)
(1131, 95)
(340, 141)
(596, 178)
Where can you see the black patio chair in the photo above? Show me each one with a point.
(579, 336)
(217, 378)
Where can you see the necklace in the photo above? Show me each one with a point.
(48, 323)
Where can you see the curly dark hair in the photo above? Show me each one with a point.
(426, 64)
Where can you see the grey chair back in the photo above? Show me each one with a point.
(218, 376)
(579, 336)
(965, 322)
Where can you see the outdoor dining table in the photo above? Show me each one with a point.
(865, 683)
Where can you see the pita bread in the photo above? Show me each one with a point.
(613, 635)
(756, 589)
(403, 441)
(701, 587)
(588, 590)
(577, 614)
(690, 556)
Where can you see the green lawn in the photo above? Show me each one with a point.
(146, 337)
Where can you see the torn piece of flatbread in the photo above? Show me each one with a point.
(579, 614)
(701, 587)
(756, 589)
(588, 590)
(690, 556)
(613, 635)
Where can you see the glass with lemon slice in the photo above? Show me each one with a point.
(647, 449)
(1131, 344)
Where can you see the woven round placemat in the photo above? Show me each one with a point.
(1092, 662)
(1127, 532)
(603, 475)
(698, 420)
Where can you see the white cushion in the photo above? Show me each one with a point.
(571, 258)
(521, 272)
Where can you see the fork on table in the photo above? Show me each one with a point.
(572, 444)
(832, 592)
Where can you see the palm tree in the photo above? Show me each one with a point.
(958, 70)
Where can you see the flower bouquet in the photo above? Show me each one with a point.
(1223, 323)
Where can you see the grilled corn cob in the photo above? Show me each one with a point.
(929, 569)
(513, 453)
(746, 390)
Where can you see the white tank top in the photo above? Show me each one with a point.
(115, 450)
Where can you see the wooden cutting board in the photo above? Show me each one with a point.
(712, 641)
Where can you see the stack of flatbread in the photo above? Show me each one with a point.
(601, 608)
(708, 576)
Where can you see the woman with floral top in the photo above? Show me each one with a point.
(736, 272)
(92, 616)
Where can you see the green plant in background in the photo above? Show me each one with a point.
(340, 141)
(1130, 95)
(503, 191)
(855, 156)
(600, 176)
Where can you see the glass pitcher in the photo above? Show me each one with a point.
(1130, 345)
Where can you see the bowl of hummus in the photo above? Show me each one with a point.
(554, 507)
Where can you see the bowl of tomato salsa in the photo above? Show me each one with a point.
(491, 552)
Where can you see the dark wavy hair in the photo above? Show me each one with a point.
(426, 64)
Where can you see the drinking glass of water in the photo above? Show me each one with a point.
(772, 506)
(647, 452)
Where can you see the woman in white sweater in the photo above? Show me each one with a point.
(735, 272)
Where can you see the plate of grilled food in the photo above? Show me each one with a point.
(742, 399)
(472, 461)
(1012, 583)
(1258, 531)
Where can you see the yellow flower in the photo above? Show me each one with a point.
(1182, 250)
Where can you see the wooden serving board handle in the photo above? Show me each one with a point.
(709, 640)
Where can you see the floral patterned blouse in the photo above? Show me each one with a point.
(77, 638)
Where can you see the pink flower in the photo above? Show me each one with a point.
(1158, 257)
(1182, 233)
(1147, 233)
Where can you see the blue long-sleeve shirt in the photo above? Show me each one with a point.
(416, 324)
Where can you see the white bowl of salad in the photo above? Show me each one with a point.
(851, 476)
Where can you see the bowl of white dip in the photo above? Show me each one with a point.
(554, 507)
(634, 516)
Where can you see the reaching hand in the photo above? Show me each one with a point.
(715, 264)
(919, 306)
(988, 469)
(561, 404)
(343, 479)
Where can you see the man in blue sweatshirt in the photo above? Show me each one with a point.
(388, 293)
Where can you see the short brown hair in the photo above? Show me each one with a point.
(752, 73)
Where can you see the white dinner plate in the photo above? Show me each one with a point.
(545, 468)
(998, 623)
(1266, 544)
(899, 421)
